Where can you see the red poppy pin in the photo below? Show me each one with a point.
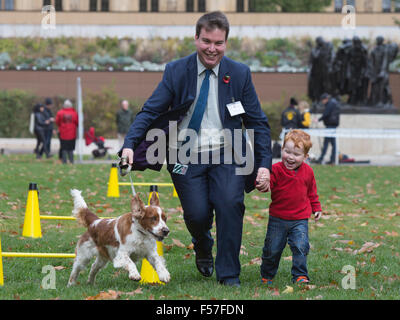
(226, 78)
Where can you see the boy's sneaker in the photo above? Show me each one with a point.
(268, 282)
(302, 280)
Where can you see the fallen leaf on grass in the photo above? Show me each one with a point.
(310, 286)
(109, 295)
(256, 261)
(336, 235)
(273, 292)
(252, 222)
(60, 268)
(132, 293)
(178, 243)
(393, 233)
(288, 289)
(367, 247)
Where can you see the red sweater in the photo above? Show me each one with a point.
(67, 122)
(293, 193)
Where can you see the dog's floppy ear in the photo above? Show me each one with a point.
(154, 200)
(137, 207)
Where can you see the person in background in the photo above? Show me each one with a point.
(305, 115)
(124, 118)
(48, 133)
(67, 122)
(330, 117)
(290, 116)
(41, 123)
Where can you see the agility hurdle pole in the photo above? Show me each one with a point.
(159, 184)
(28, 255)
(1, 267)
(147, 272)
(66, 218)
(32, 220)
(37, 255)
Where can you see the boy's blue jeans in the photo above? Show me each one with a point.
(295, 233)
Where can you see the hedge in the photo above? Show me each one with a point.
(99, 112)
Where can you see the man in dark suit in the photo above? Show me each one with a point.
(213, 96)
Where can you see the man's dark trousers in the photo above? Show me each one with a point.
(203, 189)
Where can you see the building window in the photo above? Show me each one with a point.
(93, 5)
(338, 5)
(386, 5)
(58, 5)
(202, 5)
(143, 5)
(9, 5)
(239, 5)
(46, 3)
(154, 5)
(189, 5)
(105, 5)
(397, 6)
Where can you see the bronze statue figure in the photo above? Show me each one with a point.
(358, 60)
(351, 70)
(380, 58)
(320, 62)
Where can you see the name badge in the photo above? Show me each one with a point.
(180, 169)
(235, 108)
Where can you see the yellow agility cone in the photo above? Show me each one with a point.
(148, 274)
(113, 187)
(174, 193)
(1, 267)
(32, 216)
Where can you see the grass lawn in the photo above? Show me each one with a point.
(360, 228)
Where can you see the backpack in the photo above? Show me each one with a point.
(334, 117)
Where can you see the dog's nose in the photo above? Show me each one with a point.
(165, 231)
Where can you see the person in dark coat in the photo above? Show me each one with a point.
(124, 120)
(41, 123)
(49, 127)
(291, 118)
(330, 117)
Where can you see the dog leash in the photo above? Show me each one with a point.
(132, 187)
(126, 169)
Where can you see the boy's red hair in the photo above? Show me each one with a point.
(300, 139)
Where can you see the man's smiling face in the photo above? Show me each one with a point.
(211, 46)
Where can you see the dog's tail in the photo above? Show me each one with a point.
(81, 212)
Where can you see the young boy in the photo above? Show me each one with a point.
(294, 196)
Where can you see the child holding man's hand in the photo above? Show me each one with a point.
(294, 197)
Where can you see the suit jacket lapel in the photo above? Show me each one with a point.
(192, 76)
(223, 89)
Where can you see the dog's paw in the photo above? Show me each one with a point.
(164, 276)
(135, 277)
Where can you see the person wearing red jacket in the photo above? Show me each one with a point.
(67, 122)
(294, 197)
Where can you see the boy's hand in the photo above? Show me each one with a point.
(317, 215)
